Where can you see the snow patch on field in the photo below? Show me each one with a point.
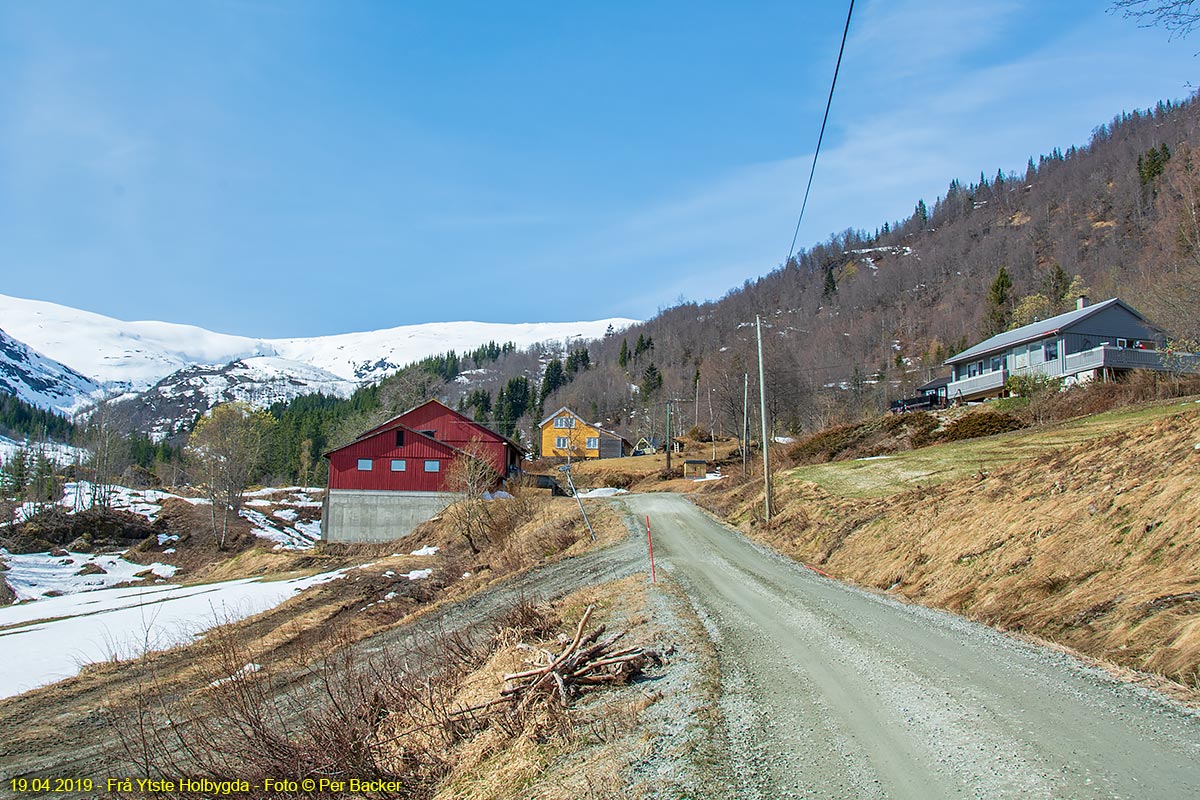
(36, 575)
(427, 550)
(605, 492)
(58, 635)
(61, 454)
(299, 536)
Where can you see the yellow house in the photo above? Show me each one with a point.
(565, 434)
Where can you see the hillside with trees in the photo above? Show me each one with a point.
(848, 324)
(866, 316)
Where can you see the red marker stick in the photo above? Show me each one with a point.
(650, 542)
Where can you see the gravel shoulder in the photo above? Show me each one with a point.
(830, 691)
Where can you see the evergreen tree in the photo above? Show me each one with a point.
(651, 381)
(830, 284)
(553, 378)
(1055, 285)
(921, 213)
(623, 356)
(998, 308)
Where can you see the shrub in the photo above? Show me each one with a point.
(1032, 385)
(981, 423)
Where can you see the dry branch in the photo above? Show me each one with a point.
(587, 661)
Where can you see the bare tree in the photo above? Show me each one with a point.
(225, 449)
(471, 476)
(1179, 17)
(108, 452)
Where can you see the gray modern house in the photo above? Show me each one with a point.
(1095, 341)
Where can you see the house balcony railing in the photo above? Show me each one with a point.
(1109, 357)
(977, 385)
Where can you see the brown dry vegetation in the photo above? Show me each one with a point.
(57, 724)
(399, 716)
(1086, 534)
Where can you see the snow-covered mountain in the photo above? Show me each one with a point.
(136, 355)
(172, 405)
(167, 374)
(41, 381)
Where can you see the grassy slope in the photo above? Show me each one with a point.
(1086, 533)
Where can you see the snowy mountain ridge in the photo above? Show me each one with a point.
(162, 376)
(133, 356)
(41, 381)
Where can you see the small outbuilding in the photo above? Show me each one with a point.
(695, 468)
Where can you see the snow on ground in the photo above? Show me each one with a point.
(427, 550)
(711, 476)
(61, 454)
(58, 635)
(605, 492)
(299, 536)
(35, 575)
(81, 495)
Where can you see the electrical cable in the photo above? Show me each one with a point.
(821, 136)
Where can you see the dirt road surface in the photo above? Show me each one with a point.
(832, 692)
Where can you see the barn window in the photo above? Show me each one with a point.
(399, 465)
(364, 465)
(399, 437)
(433, 465)
(593, 443)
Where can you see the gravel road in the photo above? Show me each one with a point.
(829, 691)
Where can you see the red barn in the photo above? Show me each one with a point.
(394, 476)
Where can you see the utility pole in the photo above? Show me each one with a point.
(762, 394)
(712, 425)
(670, 444)
(745, 421)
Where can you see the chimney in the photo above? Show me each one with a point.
(1081, 302)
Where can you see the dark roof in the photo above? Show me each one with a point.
(936, 383)
(1038, 330)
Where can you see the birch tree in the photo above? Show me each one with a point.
(224, 450)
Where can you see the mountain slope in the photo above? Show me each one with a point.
(134, 356)
(39, 380)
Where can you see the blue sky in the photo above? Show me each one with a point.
(290, 168)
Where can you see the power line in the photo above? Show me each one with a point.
(828, 104)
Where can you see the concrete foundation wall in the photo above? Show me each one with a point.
(356, 515)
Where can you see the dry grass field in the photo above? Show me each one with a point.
(1085, 533)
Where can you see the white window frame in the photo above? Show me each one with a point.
(399, 465)
(370, 465)
(562, 442)
(564, 422)
(593, 443)
(436, 465)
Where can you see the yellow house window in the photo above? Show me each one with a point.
(562, 442)
(593, 443)
(564, 422)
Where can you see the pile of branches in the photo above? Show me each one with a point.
(587, 661)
